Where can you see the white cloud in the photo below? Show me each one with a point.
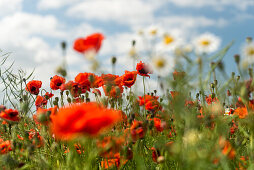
(121, 11)
(10, 6)
(54, 4)
(216, 4)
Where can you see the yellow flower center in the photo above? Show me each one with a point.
(160, 63)
(250, 52)
(205, 42)
(168, 39)
(153, 32)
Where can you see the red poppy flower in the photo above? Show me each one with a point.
(151, 102)
(43, 115)
(129, 78)
(40, 101)
(155, 154)
(36, 138)
(5, 146)
(158, 124)
(137, 130)
(91, 42)
(143, 69)
(56, 82)
(210, 100)
(82, 118)
(83, 81)
(10, 115)
(33, 86)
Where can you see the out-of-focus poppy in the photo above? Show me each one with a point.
(10, 115)
(91, 42)
(82, 118)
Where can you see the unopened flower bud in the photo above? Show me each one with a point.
(133, 43)
(238, 78)
(63, 45)
(237, 58)
(212, 85)
(249, 39)
(233, 75)
(113, 60)
(69, 100)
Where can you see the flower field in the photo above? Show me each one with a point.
(198, 117)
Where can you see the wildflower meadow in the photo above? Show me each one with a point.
(198, 117)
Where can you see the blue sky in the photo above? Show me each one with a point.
(32, 30)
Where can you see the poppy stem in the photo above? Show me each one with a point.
(144, 93)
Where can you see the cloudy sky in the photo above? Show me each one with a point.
(33, 29)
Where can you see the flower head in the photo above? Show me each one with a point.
(91, 42)
(56, 82)
(206, 43)
(248, 52)
(129, 78)
(162, 65)
(82, 119)
(33, 86)
(143, 69)
(10, 115)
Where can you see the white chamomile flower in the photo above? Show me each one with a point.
(206, 43)
(161, 65)
(248, 52)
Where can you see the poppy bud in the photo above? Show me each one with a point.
(212, 85)
(67, 93)
(55, 103)
(233, 75)
(56, 99)
(133, 43)
(249, 39)
(69, 100)
(113, 60)
(228, 93)
(238, 78)
(221, 65)
(215, 82)
(237, 58)
(63, 45)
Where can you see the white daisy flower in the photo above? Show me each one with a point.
(162, 66)
(206, 43)
(248, 52)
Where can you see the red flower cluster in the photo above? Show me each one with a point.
(151, 103)
(5, 146)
